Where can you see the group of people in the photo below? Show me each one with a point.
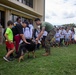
(24, 32)
(19, 32)
(64, 36)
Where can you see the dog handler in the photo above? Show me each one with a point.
(45, 26)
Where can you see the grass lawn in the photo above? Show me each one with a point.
(61, 62)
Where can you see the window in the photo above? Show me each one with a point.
(27, 2)
(2, 18)
(23, 19)
(14, 17)
(30, 21)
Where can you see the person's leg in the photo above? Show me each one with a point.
(17, 40)
(73, 41)
(65, 43)
(47, 42)
(47, 46)
(6, 49)
(61, 42)
(11, 48)
(9, 52)
(11, 55)
(70, 41)
(21, 48)
(38, 46)
(6, 57)
(58, 43)
(43, 41)
(33, 54)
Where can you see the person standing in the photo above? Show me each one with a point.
(16, 32)
(67, 37)
(9, 41)
(57, 38)
(45, 26)
(31, 28)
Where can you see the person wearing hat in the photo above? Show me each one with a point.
(18, 34)
(45, 26)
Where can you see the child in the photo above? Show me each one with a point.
(9, 40)
(67, 37)
(57, 37)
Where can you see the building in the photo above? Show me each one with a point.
(26, 9)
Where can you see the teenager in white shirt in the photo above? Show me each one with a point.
(31, 29)
(67, 37)
(57, 37)
(35, 35)
(70, 32)
(62, 36)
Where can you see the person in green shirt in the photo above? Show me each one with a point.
(9, 41)
(45, 26)
(10, 34)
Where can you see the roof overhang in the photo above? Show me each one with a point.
(20, 7)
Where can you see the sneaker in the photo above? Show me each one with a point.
(46, 54)
(11, 56)
(10, 59)
(6, 59)
(16, 56)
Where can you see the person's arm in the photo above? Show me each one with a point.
(40, 34)
(20, 30)
(6, 36)
(23, 38)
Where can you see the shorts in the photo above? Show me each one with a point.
(57, 41)
(72, 39)
(67, 40)
(9, 45)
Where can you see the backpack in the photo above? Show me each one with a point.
(14, 30)
(25, 29)
(34, 33)
(4, 33)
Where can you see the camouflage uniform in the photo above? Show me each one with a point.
(51, 32)
(48, 39)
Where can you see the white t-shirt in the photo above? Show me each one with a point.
(62, 33)
(31, 29)
(27, 33)
(57, 36)
(45, 33)
(67, 35)
(37, 32)
(70, 32)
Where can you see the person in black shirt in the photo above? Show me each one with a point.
(18, 34)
